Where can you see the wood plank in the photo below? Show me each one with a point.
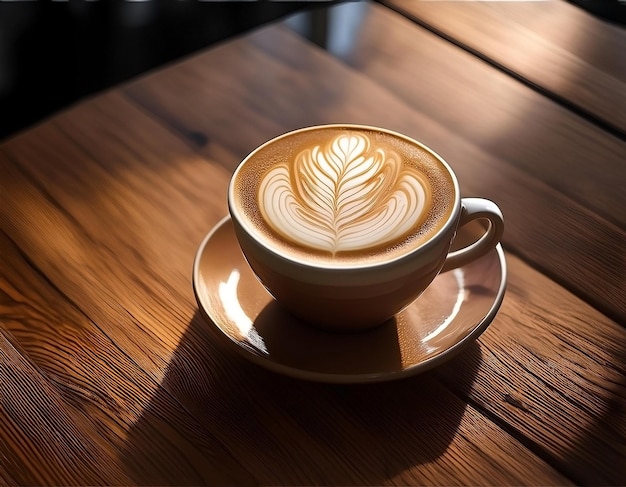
(554, 44)
(553, 360)
(411, 432)
(71, 236)
(41, 441)
(548, 218)
(496, 176)
(73, 401)
(137, 207)
(488, 108)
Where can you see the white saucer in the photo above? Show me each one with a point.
(455, 309)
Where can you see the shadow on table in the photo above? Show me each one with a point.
(604, 435)
(288, 431)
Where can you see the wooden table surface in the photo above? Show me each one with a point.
(109, 374)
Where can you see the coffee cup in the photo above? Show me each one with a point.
(346, 225)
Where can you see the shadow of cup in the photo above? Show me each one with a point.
(301, 347)
(288, 431)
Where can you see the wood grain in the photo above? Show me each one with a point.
(68, 386)
(552, 360)
(40, 432)
(102, 208)
(544, 188)
(243, 407)
(139, 229)
(554, 45)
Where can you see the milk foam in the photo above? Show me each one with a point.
(344, 195)
(395, 195)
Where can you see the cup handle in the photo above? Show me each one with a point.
(476, 209)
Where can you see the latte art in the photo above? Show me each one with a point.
(344, 195)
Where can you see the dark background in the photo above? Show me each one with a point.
(53, 53)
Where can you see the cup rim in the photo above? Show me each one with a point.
(238, 217)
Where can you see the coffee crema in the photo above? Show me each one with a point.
(344, 194)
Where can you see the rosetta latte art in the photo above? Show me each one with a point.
(342, 197)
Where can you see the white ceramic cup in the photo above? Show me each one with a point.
(355, 296)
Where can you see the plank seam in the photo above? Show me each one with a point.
(599, 122)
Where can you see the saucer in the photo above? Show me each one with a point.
(453, 311)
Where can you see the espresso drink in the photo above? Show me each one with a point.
(344, 195)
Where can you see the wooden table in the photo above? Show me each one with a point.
(110, 375)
